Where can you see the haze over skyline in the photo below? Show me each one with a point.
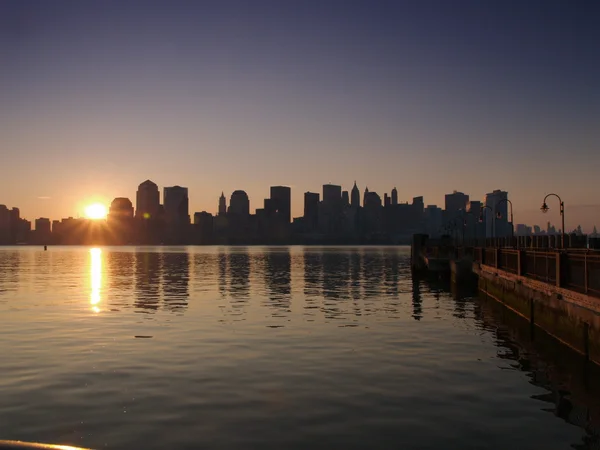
(219, 96)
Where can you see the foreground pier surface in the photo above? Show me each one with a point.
(557, 290)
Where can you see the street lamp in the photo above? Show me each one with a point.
(544, 208)
(512, 222)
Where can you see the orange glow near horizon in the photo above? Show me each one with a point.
(95, 211)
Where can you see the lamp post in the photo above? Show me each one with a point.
(544, 208)
(512, 222)
(493, 220)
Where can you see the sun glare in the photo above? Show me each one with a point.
(95, 211)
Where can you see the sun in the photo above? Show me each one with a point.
(95, 211)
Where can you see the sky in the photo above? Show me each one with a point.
(425, 96)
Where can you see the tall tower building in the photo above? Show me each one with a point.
(355, 196)
(386, 200)
(239, 203)
(282, 198)
(176, 205)
(394, 196)
(345, 198)
(497, 224)
(332, 194)
(311, 209)
(147, 201)
(365, 195)
(222, 205)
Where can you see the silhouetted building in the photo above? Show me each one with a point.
(373, 212)
(282, 199)
(332, 194)
(365, 195)
(120, 207)
(311, 210)
(120, 221)
(43, 231)
(497, 219)
(239, 204)
(4, 225)
(433, 221)
(386, 200)
(203, 227)
(222, 205)
(345, 199)
(475, 228)
(394, 196)
(455, 202)
(147, 203)
(355, 196)
(176, 204)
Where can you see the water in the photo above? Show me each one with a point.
(216, 347)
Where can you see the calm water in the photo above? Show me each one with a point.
(193, 347)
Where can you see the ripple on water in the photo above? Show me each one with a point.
(229, 347)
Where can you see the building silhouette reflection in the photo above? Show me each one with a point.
(239, 273)
(417, 313)
(10, 265)
(222, 277)
(336, 274)
(278, 277)
(176, 280)
(120, 274)
(148, 273)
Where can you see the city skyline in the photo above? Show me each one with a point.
(224, 96)
(148, 200)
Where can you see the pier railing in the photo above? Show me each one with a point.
(578, 270)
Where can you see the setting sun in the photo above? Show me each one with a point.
(95, 211)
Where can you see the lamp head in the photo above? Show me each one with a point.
(544, 208)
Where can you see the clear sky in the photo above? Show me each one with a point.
(97, 96)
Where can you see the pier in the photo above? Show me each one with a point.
(555, 289)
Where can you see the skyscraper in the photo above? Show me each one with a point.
(497, 221)
(394, 196)
(345, 198)
(239, 204)
(282, 198)
(311, 210)
(147, 202)
(120, 207)
(222, 205)
(455, 202)
(355, 196)
(365, 196)
(332, 194)
(176, 205)
(386, 200)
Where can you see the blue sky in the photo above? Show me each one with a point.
(216, 96)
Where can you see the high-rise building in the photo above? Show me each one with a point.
(239, 203)
(355, 196)
(147, 202)
(365, 195)
(497, 220)
(332, 194)
(455, 202)
(120, 207)
(386, 200)
(345, 198)
(222, 205)
(394, 196)
(176, 204)
(433, 221)
(311, 210)
(282, 197)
